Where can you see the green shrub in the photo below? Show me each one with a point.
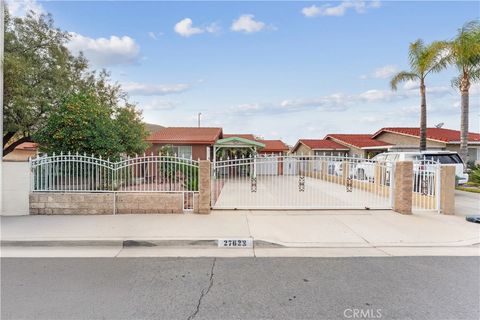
(474, 175)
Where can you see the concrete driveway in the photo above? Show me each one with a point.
(282, 192)
(467, 203)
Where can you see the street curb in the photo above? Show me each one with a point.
(202, 243)
(206, 243)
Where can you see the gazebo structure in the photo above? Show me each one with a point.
(235, 147)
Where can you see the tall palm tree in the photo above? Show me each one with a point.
(464, 52)
(423, 59)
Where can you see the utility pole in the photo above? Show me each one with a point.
(199, 115)
(2, 33)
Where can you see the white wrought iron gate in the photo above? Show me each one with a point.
(87, 174)
(301, 182)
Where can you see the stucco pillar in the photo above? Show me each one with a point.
(345, 172)
(403, 187)
(204, 187)
(324, 169)
(447, 189)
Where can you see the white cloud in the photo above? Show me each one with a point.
(475, 89)
(186, 29)
(340, 9)
(19, 8)
(376, 95)
(246, 23)
(144, 89)
(410, 85)
(154, 35)
(382, 72)
(411, 89)
(105, 51)
(337, 102)
(157, 104)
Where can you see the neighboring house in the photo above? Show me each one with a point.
(22, 152)
(319, 147)
(360, 145)
(437, 138)
(273, 147)
(187, 142)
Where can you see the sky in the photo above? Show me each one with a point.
(280, 70)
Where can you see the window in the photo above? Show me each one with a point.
(444, 158)
(392, 157)
(183, 151)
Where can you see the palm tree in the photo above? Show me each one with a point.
(423, 59)
(464, 52)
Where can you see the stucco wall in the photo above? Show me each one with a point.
(16, 187)
(303, 149)
(20, 155)
(402, 140)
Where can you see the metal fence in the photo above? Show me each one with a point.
(426, 185)
(301, 182)
(82, 173)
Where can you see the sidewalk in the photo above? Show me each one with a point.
(295, 229)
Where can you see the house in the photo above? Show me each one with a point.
(22, 152)
(360, 145)
(211, 143)
(187, 142)
(319, 147)
(437, 138)
(277, 147)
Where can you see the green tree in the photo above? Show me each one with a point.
(38, 72)
(131, 130)
(82, 125)
(464, 53)
(423, 59)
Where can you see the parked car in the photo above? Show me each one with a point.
(366, 170)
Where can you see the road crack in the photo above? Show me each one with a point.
(204, 292)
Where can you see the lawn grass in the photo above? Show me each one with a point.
(474, 190)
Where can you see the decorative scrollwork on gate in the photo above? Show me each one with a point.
(301, 183)
(349, 185)
(253, 185)
(424, 187)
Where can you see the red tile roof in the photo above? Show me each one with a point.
(322, 144)
(273, 146)
(184, 135)
(247, 136)
(358, 140)
(439, 134)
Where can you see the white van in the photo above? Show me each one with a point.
(365, 170)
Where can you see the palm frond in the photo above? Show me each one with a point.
(402, 77)
(414, 53)
(465, 47)
(437, 56)
(455, 83)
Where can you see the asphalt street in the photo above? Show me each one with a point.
(241, 288)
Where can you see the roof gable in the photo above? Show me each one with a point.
(320, 144)
(235, 141)
(358, 140)
(437, 134)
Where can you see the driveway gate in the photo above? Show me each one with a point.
(301, 182)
